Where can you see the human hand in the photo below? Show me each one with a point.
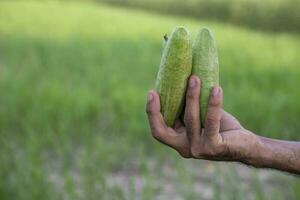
(222, 138)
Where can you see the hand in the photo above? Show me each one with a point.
(223, 138)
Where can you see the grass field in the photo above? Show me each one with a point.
(74, 78)
(268, 15)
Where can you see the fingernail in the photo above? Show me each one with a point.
(150, 97)
(216, 91)
(192, 82)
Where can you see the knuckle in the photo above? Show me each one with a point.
(214, 102)
(185, 154)
(209, 151)
(192, 94)
(196, 152)
(212, 150)
(157, 135)
(209, 129)
(149, 110)
(189, 119)
(211, 120)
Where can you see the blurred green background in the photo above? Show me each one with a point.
(74, 77)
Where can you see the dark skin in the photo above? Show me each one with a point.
(223, 138)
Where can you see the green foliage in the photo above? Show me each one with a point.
(74, 78)
(272, 15)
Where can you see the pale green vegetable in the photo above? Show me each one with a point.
(205, 66)
(175, 68)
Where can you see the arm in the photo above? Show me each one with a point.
(277, 154)
(223, 138)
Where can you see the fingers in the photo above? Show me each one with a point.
(155, 118)
(159, 129)
(191, 116)
(214, 112)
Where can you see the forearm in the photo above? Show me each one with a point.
(276, 154)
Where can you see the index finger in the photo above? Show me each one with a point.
(159, 129)
(156, 121)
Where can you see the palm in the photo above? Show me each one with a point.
(229, 123)
(229, 129)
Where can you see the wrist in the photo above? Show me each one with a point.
(259, 154)
(246, 148)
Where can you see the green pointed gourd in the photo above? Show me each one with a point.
(174, 71)
(205, 66)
